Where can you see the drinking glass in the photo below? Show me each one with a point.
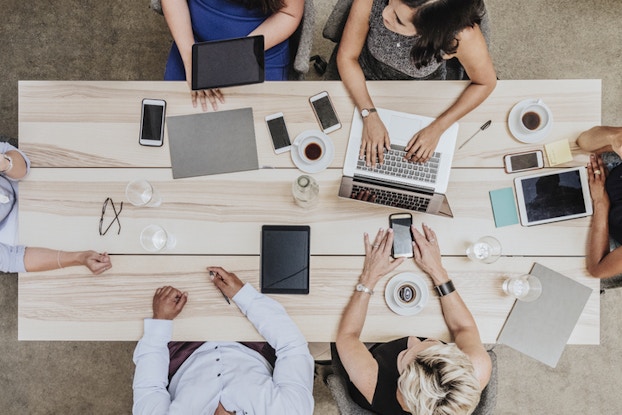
(306, 191)
(523, 287)
(486, 249)
(154, 239)
(142, 193)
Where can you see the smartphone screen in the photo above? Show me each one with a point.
(402, 236)
(285, 251)
(524, 161)
(325, 112)
(152, 122)
(278, 132)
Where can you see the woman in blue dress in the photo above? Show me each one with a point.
(193, 21)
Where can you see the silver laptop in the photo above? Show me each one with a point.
(414, 186)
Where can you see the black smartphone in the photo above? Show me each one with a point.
(325, 112)
(152, 117)
(285, 251)
(402, 235)
(278, 132)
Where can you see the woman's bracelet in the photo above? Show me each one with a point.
(445, 288)
(58, 259)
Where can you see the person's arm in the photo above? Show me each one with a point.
(282, 24)
(358, 362)
(151, 355)
(19, 166)
(458, 318)
(473, 55)
(599, 261)
(44, 259)
(293, 370)
(375, 136)
(177, 15)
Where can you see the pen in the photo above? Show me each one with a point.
(211, 274)
(482, 128)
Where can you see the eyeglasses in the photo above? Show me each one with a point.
(116, 216)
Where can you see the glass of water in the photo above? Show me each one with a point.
(523, 287)
(154, 239)
(486, 249)
(142, 193)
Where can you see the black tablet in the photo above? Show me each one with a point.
(285, 259)
(229, 62)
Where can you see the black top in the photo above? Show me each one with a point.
(384, 400)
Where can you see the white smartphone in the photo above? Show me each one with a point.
(402, 236)
(325, 112)
(152, 117)
(529, 160)
(278, 132)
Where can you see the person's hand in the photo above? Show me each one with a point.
(374, 141)
(378, 261)
(168, 303)
(596, 176)
(212, 95)
(364, 195)
(428, 254)
(96, 262)
(421, 147)
(227, 282)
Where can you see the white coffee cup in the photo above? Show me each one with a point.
(311, 149)
(407, 294)
(533, 118)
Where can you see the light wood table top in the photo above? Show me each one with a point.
(82, 138)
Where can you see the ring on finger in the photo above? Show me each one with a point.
(375, 246)
(597, 172)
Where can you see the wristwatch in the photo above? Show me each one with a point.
(10, 160)
(361, 288)
(366, 111)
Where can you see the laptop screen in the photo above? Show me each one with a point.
(229, 62)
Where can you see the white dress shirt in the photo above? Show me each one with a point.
(230, 373)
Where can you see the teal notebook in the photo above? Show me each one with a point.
(504, 207)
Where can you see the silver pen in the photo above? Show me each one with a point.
(211, 274)
(482, 128)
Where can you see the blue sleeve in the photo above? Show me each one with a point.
(4, 147)
(12, 258)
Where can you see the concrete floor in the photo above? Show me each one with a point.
(124, 40)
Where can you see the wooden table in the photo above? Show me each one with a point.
(82, 138)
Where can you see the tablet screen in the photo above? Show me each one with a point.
(550, 197)
(285, 259)
(229, 62)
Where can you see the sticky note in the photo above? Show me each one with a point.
(503, 207)
(558, 152)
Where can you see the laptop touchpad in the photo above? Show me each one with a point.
(403, 128)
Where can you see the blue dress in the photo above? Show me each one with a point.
(224, 19)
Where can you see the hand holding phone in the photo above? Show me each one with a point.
(278, 132)
(402, 235)
(325, 112)
(152, 117)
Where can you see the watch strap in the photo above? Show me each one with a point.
(361, 288)
(369, 111)
(445, 288)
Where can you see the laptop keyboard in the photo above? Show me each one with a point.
(390, 198)
(395, 165)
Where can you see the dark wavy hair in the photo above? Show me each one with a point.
(265, 6)
(437, 23)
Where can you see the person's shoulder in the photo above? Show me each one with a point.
(469, 34)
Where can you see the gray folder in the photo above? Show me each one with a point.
(212, 143)
(541, 329)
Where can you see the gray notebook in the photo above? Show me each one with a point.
(212, 143)
(541, 329)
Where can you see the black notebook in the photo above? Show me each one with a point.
(285, 259)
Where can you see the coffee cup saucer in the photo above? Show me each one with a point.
(421, 287)
(515, 127)
(320, 164)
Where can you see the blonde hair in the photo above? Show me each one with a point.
(440, 381)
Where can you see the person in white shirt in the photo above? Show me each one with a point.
(224, 377)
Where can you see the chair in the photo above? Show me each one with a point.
(334, 376)
(336, 22)
(300, 41)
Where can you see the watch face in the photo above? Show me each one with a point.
(364, 113)
(359, 287)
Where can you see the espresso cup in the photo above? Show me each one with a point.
(311, 149)
(407, 295)
(533, 117)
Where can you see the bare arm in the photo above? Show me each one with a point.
(375, 135)
(357, 360)
(599, 261)
(458, 318)
(473, 55)
(43, 259)
(19, 169)
(282, 24)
